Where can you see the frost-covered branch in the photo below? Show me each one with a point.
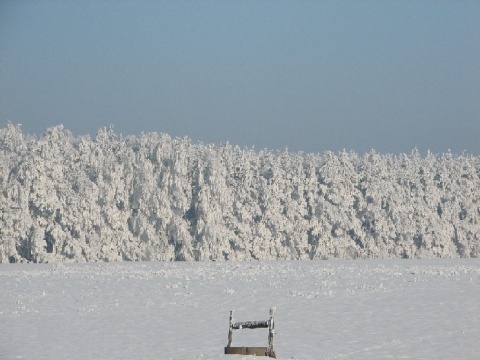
(153, 197)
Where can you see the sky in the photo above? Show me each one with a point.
(310, 76)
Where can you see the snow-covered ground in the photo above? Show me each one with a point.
(375, 309)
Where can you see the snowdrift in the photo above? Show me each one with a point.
(153, 197)
(328, 310)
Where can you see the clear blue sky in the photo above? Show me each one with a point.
(307, 75)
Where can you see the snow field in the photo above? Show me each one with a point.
(375, 309)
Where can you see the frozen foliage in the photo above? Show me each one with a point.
(152, 197)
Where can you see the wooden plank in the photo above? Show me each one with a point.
(230, 329)
(250, 325)
(271, 330)
(246, 350)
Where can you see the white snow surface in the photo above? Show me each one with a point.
(333, 309)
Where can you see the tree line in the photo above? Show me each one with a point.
(154, 197)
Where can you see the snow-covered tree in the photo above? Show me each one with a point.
(153, 197)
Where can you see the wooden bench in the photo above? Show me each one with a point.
(244, 350)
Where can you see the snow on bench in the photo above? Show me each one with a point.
(258, 351)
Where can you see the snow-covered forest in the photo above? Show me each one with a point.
(153, 197)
